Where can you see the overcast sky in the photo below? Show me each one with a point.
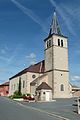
(24, 24)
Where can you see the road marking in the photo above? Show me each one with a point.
(42, 111)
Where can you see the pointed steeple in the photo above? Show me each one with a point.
(54, 28)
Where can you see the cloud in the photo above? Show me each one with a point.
(10, 56)
(7, 59)
(4, 58)
(65, 16)
(30, 14)
(75, 78)
(3, 51)
(31, 58)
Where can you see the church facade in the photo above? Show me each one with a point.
(49, 78)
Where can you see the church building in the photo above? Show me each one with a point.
(49, 78)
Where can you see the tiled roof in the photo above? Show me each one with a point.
(77, 93)
(36, 68)
(73, 86)
(44, 85)
(5, 84)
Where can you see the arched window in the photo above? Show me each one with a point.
(23, 83)
(49, 43)
(62, 87)
(61, 43)
(58, 42)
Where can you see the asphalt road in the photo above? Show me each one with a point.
(60, 107)
(10, 110)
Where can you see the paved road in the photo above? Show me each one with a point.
(61, 107)
(10, 110)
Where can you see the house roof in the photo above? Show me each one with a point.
(74, 86)
(36, 68)
(44, 85)
(77, 93)
(5, 84)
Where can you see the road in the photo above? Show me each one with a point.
(11, 110)
(60, 107)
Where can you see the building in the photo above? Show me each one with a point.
(56, 61)
(52, 72)
(4, 89)
(26, 76)
(74, 90)
(44, 92)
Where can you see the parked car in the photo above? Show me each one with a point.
(28, 98)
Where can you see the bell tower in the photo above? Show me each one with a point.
(56, 60)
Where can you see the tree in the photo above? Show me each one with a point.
(19, 87)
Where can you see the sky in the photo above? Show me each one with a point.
(24, 24)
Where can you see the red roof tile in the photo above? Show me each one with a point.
(5, 84)
(36, 68)
(44, 85)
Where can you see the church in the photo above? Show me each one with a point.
(48, 79)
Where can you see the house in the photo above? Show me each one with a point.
(44, 92)
(50, 77)
(75, 90)
(4, 89)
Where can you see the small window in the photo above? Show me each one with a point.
(33, 76)
(35, 93)
(17, 85)
(62, 87)
(14, 86)
(48, 43)
(11, 87)
(7, 92)
(58, 42)
(23, 84)
(61, 43)
(44, 93)
(39, 93)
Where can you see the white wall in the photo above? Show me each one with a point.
(27, 78)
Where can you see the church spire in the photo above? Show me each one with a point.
(54, 28)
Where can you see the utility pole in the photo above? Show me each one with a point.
(78, 100)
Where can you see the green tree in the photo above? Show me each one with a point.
(19, 87)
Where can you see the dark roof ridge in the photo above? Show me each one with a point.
(5, 84)
(28, 69)
(37, 63)
(44, 85)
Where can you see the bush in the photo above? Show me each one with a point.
(16, 95)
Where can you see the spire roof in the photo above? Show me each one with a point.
(54, 28)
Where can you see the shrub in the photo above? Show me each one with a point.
(16, 95)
